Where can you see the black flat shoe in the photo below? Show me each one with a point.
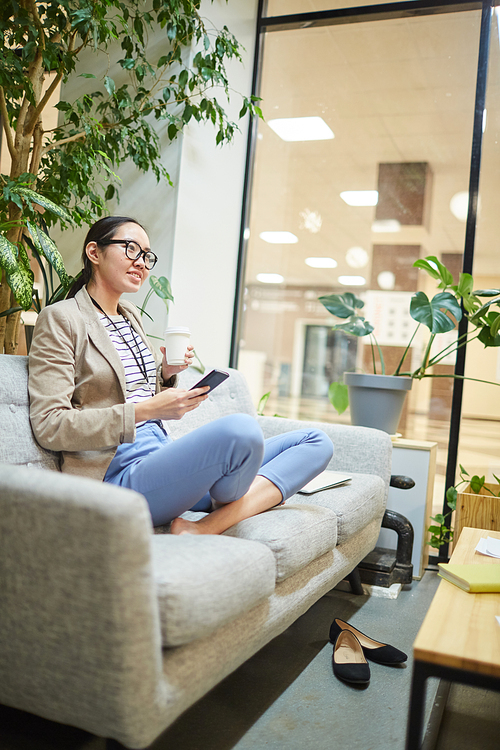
(381, 653)
(349, 663)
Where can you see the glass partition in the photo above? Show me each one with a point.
(350, 204)
(479, 447)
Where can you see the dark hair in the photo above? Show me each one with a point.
(99, 232)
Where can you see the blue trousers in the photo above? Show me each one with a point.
(217, 461)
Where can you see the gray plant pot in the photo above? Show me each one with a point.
(376, 400)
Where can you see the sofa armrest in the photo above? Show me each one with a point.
(79, 622)
(361, 450)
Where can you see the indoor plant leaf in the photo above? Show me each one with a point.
(161, 287)
(339, 397)
(47, 247)
(430, 312)
(40, 200)
(486, 336)
(436, 269)
(18, 273)
(342, 305)
(357, 326)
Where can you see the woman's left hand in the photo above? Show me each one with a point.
(168, 370)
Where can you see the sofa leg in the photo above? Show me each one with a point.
(355, 582)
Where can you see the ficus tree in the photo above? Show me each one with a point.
(67, 174)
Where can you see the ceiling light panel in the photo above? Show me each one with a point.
(321, 262)
(270, 278)
(352, 280)
(301, 129)
(279, 238)
(360, 197)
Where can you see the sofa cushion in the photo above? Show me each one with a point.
(355, 504)
(204, 582)
(17, 442)
(296, 534)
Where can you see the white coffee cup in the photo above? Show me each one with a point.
(176, 341)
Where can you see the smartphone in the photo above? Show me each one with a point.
(213, 379)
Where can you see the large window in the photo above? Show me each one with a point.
(381, 182)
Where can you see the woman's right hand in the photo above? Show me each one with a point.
(172, 403)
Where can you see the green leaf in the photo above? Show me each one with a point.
(439, 518)
(183, 78)
(161, 287)
(109, 85)
(339, 397)
(430, 312)
(434, 529)
(356, 326)
(486, 292)
(47, 247)
(465, 284)
(463, 471)
(477, 483)
(451, 497)
(342, 305)
(485, 337)
(436, 269)
(46, 203)
(19, 276)
(86, 75)
(262, 403)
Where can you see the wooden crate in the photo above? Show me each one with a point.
(480, 511)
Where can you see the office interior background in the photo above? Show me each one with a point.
(348, 200)
(348, 207)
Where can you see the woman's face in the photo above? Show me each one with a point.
(113, 268)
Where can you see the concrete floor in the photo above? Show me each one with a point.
(287, 698)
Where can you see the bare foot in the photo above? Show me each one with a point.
(181, 526)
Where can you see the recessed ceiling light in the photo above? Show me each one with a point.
(360, 197)
(301, 129)
(321, 262)
(357, 257)
(279, 238)
(459, 205)
(386, 280)
(352, 280)
(311, 220)
(386, 225)
(270, 278)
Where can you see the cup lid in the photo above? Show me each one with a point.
(177, 329)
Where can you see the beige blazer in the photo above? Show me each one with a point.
(77, 385)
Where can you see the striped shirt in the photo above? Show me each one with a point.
(137, 388)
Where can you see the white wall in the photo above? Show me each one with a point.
(209, 204)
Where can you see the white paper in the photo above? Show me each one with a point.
(493, 546)
(489, 546)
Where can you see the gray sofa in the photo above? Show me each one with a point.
(107, 626)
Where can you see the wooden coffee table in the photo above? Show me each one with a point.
(459, 640)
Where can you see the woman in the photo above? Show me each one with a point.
(98, 397)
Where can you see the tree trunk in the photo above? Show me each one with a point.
(4, 305)
(12, 330)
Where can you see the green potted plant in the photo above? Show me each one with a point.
(377, 398)
(117, 118)
(476, 503)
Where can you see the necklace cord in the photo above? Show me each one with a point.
(141, 365)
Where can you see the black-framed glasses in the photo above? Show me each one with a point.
(133, 251)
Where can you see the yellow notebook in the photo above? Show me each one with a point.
(472, 578)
